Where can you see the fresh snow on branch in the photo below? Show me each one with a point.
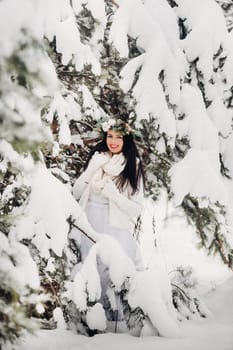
(48, 229)
(195, 175)
(149, 290)
(205, 37)
(137, 22)
(198, 173)
(17, 262)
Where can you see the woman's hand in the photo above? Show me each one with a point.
(98, 160)
(109, 189)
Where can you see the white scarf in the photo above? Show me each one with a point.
(108, 171)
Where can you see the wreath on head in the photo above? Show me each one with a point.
(117, 125)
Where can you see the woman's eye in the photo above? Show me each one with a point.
(114, 137)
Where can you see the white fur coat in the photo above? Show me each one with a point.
(99, 178)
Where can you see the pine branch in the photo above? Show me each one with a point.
(55, 294)
(75, 74)
(81, 230)
(219, 244)
(182, 291)
(113, 2)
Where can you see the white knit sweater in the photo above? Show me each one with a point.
(123, 206)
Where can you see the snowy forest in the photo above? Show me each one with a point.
(166, 68)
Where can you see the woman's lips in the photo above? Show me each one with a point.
(114, 146)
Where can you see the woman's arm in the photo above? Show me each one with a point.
(95, 163)
(132, 206)
(81, 183)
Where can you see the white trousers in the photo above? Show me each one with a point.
(97, 212)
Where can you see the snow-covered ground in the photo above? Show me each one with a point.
(176, 248)
(214, 333)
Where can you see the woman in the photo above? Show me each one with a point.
(111, 189)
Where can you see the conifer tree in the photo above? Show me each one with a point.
(22, 135)
(147, 77)
(140, 61)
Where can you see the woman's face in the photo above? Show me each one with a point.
(114, 141)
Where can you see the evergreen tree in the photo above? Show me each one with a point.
(156, 64)
(183, 291)
(28, 82)
(148, 76)
(22, 60)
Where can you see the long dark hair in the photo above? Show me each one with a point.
(133, 170)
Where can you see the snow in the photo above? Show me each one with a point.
(58, 317)
(112, 255)
(227, 69)
(177, 244)
(12, 34)
(223, 292)
(18, 161)
(154, 26)
(23, 270)
(205, 37)
(26, 269)
(133, 19)
(96, 317)
(48, 228)
(227, 154)
(59, 21)
(54, 19)
(97, 9)
(65, 109)
(186, 178)
(228, 160)
(86, 287)
(149, 292)
(37, 221)
(89, 103)
(205, 334)
(87, 279)
(40, 308)
(202, 133)
(163, 14)
(221, 116)
(68, 44)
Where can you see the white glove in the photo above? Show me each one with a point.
(98, 160)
